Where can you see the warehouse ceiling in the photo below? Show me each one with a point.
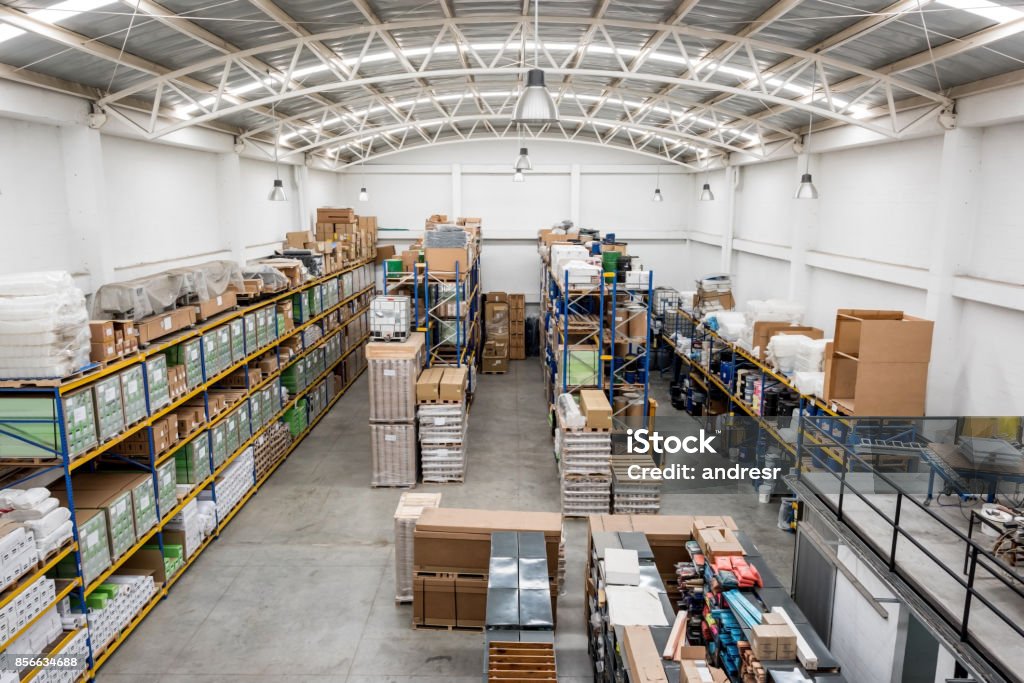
(349, 80)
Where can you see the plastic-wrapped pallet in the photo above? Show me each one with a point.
(775, 310)
(393, 447)
(44, 325)
(634, 496)
(410, 507)
(810, 355)
(25, 606)
(190, 525)
(585, 494)
(393, 369)
(810, 383)
(443, 442)
(39, 635)
(782, 350)
(114, 603)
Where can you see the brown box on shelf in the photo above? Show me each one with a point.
(596, 409)
(494, 365)
(326, 214)
(128, 333)
(883, 336)
(718, 542)
(496, 297)
(297, 239)
(443, 262)
(642, 654)
(218, 304)
(452, 385)
(764, 331)
(103, 351)
(101, 331)
(162, 324)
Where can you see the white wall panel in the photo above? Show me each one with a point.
(764, 207)
(878, 202)
(989, 381)
(615, 202)
(704, 259)
(400, 200)
(830, 291)
(998, 243)
(710, 217)
(163, 206)
(758, 277)
(323, 190)
(518, 209)
(33, 207)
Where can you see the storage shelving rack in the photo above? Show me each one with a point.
(450, 340)
(580, 315)
(350, 309)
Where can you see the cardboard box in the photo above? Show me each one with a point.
(103, 351)
(764, 331)
(218, 304)
(883, 336)
(698, 671)
(596, 409)
(642, 654)
(718, 542)
(101, 331)
(452, 386)
(444, 261)
(160, 325)
(771, 642)
(439, 601)
(493, 364)
(298, 239)
(427, 385)
(496, 297)
(470, 601)
(384, 252)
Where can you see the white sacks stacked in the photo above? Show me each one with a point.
(44, 326)
(40, 514)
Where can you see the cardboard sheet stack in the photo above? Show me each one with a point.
(443, 423)
(583, 444)
(410, 507)
(634, 496)
(44, 326)
(393, 370)
(451, 561)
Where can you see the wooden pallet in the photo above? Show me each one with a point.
(438, 402)
(393, 486)
(446, 574)
(439, 627)
(51, 382)
(516, 662)
(29, 462)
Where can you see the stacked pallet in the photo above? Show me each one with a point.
(410, 507)
(584, 448)
(270, 447)
(393, 370)
(509, 662)
(443, 422)
(634, 495)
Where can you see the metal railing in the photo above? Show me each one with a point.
(817, 441)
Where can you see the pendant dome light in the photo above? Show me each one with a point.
(364, 196)
(806, 188)
(706, 195)
(518, 177)
(657, 188)
(523, 162)
(277, 192)
(535, 104)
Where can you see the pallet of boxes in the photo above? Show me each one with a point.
(583, 445)
(393, 369)
(452, 563)
(343, 237)
(517, 326)
(443, 414)
(496, 330)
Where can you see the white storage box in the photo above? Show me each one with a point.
(390, 317)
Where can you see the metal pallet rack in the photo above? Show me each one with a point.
(355, 306)
(580, 315)
(459, 337)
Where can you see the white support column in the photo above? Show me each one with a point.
(732, 174)
(456, 191)
(229, 199)
(300, 175)
(574, 194)
(805, 225)
(85, 186)
(955, 217)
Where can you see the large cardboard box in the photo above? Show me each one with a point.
(493, 364)
(445, 261)
(438, 600)
(764, 331)
(718, 542)
(883, 336)
(642, 654)
(459, 540)
(163, 324)
(596, 409)
(452, 386)
(698, 671)
(427, 385)
(470, 601)
(298, 239)
(218, 304)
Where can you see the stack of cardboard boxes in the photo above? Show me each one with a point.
(517, 326)
(584, 455)
(443, 421)
(394, 368)
(497, 330)
(451, 558)
(112, 339)
(344, 237)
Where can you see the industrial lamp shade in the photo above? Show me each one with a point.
(523, 163)
(364, 196)
(277, 194)
(518, 177)
(535, 105)
(657, 195)
(706, 195)
(806, 188)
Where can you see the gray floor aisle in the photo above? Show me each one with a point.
(300, 586)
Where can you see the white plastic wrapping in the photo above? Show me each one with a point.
(812, 383)
(145, 296)
(775, 310)
(570, 412)
(810, 355)
(782, 350)
(44, 326)
(732, 325)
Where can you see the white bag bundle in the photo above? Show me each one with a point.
(812, 383)
(775, 311)
(47, 524)
(570, 412)
(782, 350)
(810, 355)
(732, 325)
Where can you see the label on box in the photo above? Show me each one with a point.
(158, 375)
(193, 353)
(220, 301)
(79, 414)
(218, 437)
(132, 386)
(109, 394)
(439, 421)
(166, 323)
(389, 373)
(443, 452)
(93, 538)
(390, 437)
(119, 508)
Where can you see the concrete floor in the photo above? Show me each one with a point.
(300, 586)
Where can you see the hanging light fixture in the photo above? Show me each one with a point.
(806, 188)
(364, 196)
(523, 162)
(518, 176)
(706, 195)
(535, 104)
(657, 188)
(277, 192)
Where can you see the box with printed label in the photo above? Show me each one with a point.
(132, 394)
(166, 484)
(116, 505)
(218, 444)
(156, 377)
(93, 543)
(236, 331)
(109, 407)
(192, 461)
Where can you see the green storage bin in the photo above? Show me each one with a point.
(166, 486)
(109, 408)
(133, 394)
(156, 378)
(584, 365)
(236, 330)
